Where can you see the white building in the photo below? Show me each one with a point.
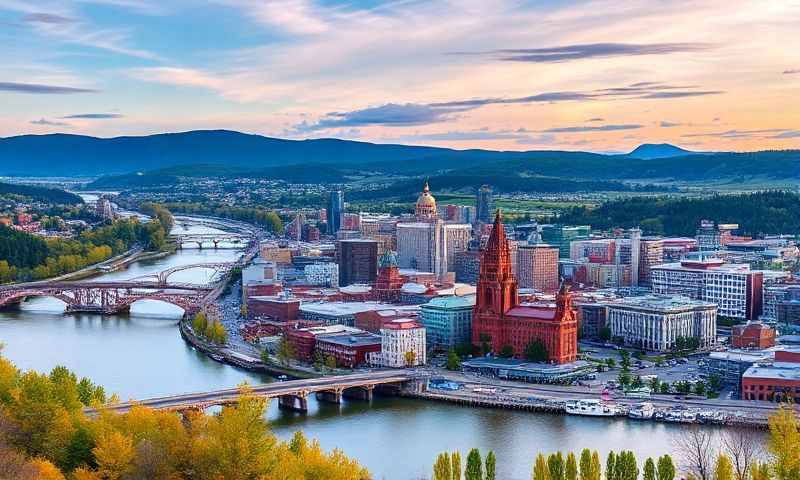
(734, 288)
(322, 274)
(431, 246)
(398, 338)
(654, 322)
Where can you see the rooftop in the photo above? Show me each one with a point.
(343, 308)
(778, 370)
(661, 303)
(451, 301)
(354, 340)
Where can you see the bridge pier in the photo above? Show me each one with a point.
(359, 393)
(298, 403)
(333, 396)
(216, 244)
(200, 245)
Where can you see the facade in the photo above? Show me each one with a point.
(389, 282)
(734, 288)
(349, 350)
(779, 297)
(500, 321)
(281, 308)
(655, 322)
(754, 335)
(591, 318)
(335, 211)
(651, 253)
(731, 365)
(398, 338)
(484, 206)
(467, 266)
(537, 267)
(776, 382)
(448, 321)
(358, 261)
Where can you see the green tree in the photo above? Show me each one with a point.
(535, 351)
(491, 466)
(611, 465)
(585, 465)
(285, 351)
(453, 362)
(506, 351)
(555, 465)
(649, 469)
(330, 361)
(474, 470)
(665, 469)
(700, 388)
(597, 469)
(571, 467)
(441, 469)
(611, 362)
(655, 385)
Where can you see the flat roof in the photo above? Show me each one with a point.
(661, 303)
(343, 308)
(515, 364)
(355, 340)
(778, 371)
(451, 301)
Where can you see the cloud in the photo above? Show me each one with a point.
(602, 128)
(390, 114)
(49, 123)
(51, 18)
(668, 124)
(93, 116)
(791, 71)
(469, 135)
(41, 89)
(762, 133)
(596, 119)
(788, 134)
(567, 53)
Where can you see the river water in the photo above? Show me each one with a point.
(141, 354)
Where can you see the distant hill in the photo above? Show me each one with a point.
(658, 150)
(40, 194)
(225, 152)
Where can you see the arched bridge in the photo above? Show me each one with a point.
(110, 297)
(221, 238)
(291, 394)
(220, 268)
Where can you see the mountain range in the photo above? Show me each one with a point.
(228, 152)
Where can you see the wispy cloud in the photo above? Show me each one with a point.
(42, 17)
(734, 134)
(668, 124)
(468, 135)
(596, 119)
(788, 134)
(37, 88)
(93, 116)
(49, 123)
(791, 71)
(586, 128)
(566, 53)
(391, 114)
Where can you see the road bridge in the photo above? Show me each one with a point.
(291, 394)
(110, 297)
(219, 240)
(220, 268)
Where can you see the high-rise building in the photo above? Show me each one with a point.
(502, 323)
(484, 206)
(335, 212)
(537, 267)
(651, 253)
(358, 261)
(636, 242)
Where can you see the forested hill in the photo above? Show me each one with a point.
(61, 154)
(761, 213)
(40, 194)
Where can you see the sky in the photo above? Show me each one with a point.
(596, 75)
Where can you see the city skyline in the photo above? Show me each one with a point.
(515, 75)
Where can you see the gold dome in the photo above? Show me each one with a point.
(426, 203)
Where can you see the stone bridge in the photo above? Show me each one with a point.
(220, 268)
(290, 394)
(109, 297)
(235, 240)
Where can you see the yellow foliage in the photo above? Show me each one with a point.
(46, 470)
(114, 454)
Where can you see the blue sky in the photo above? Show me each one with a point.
(511, 74)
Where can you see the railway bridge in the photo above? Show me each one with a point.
(291, 394)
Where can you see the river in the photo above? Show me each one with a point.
(141, 354)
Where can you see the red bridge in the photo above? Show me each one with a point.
(112, 296)
(162, 277)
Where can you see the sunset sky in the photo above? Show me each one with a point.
(599, 76)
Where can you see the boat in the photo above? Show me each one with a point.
(643, 411)
(592, 408)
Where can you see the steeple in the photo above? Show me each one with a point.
(563, 301)
(497, 288)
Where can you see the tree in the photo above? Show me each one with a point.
(695, 444)
(453, 362)
(199, 323)
(760, 471)
(637, 382)
(597, 469)
(743, 448)
(715, 382)
(540, 469)
(491, 465)
(330, 362)
(625, 359)
(611, 462)
(784, 444)
(455, 465)
(474, 470)
(571, 467)
(410, 358)
(535, 351)
(605, 334)
(665, 469)
(624, 378)
(700, 388)
(664, 387)
(114, 455)
(585, 465)
(507, 351)
(654, 385)
(649, 472)
(723, 470)
(611, 362)
(555, 465)
(285, 351)
(441, 469)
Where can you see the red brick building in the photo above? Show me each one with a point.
(537, 267)
(777, 382)
(753, 335)
(499, 316)
(389, 282)
(278, 307)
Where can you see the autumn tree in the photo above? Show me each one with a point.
(665, 469)
(723, 469)
(455, 465)
(540, 469)
(784, 444)
(555, 465)
(441, 469)
(571, 467)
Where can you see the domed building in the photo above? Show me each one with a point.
(426, 204)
